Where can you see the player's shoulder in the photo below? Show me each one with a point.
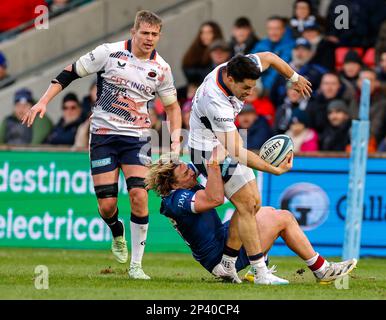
(116, 46)
(162, 62)
(109, 47)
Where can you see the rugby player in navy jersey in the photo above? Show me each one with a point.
(191, 209)
(130, 75)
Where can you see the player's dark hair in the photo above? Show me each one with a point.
(241, 67)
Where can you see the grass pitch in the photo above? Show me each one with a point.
(96, 275)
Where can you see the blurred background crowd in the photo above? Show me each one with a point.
(334, 62)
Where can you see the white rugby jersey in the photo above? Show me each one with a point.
(125, 85)
(214, 108)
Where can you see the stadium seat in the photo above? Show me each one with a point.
(340, 53)
(369, 57)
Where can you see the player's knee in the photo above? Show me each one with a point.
(138, 197)
(107, 207)
(286, 218)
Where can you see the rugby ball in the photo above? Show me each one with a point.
(275, 149)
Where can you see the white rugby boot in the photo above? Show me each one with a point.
(119, 248)
(226, 270)
(136, 272)
(265, 278)
(335, 270)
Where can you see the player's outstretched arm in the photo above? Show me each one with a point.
(233, 143)
(41, 106)
(88, 64)
(213, 195)
(299, 83)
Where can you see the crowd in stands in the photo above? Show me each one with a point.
(334, 61)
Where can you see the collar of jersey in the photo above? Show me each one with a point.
(128, 47)
(221, 84)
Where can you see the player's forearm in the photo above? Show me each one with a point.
(270, 59)
(214, 186)
(53, 90)
(173, 113)
(252, 160)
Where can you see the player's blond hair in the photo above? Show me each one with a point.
(147, 17)
(160, 177)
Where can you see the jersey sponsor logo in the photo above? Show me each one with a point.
(132, 84)
(182, 199)
(121, 65)
(219, 119)
(132, 65)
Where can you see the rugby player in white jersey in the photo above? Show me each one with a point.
(130, 74)
(216, 104)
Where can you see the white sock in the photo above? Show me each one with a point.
(259, 266)
(138, 241)
(311, 261)
(228, 261)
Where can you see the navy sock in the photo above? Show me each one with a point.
(230, 251)
(115, 225)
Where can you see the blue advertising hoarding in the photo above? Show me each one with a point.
(315, 191)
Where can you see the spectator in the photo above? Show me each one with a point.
(377, 105)
(301, 56)
(336, 135)
(323, 49)
(381, 71)
(12, 131)
(352, 65)
(243, 37)
(302, 16)
(187, 106)
(304, 138)
(256, 128)
(331, 88)
(82, 135)
(5, 79)
(196, 63)
(89, 101)
(64, 131)
(277, 42)
(293, 101)
(380, 45)
(219, 52)
(262, 103)
(382, 145)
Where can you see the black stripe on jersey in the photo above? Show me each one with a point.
(205, 121)
(99, 84)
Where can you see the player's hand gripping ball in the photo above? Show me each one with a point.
(275, 149)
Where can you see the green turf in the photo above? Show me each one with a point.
(95, 275)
